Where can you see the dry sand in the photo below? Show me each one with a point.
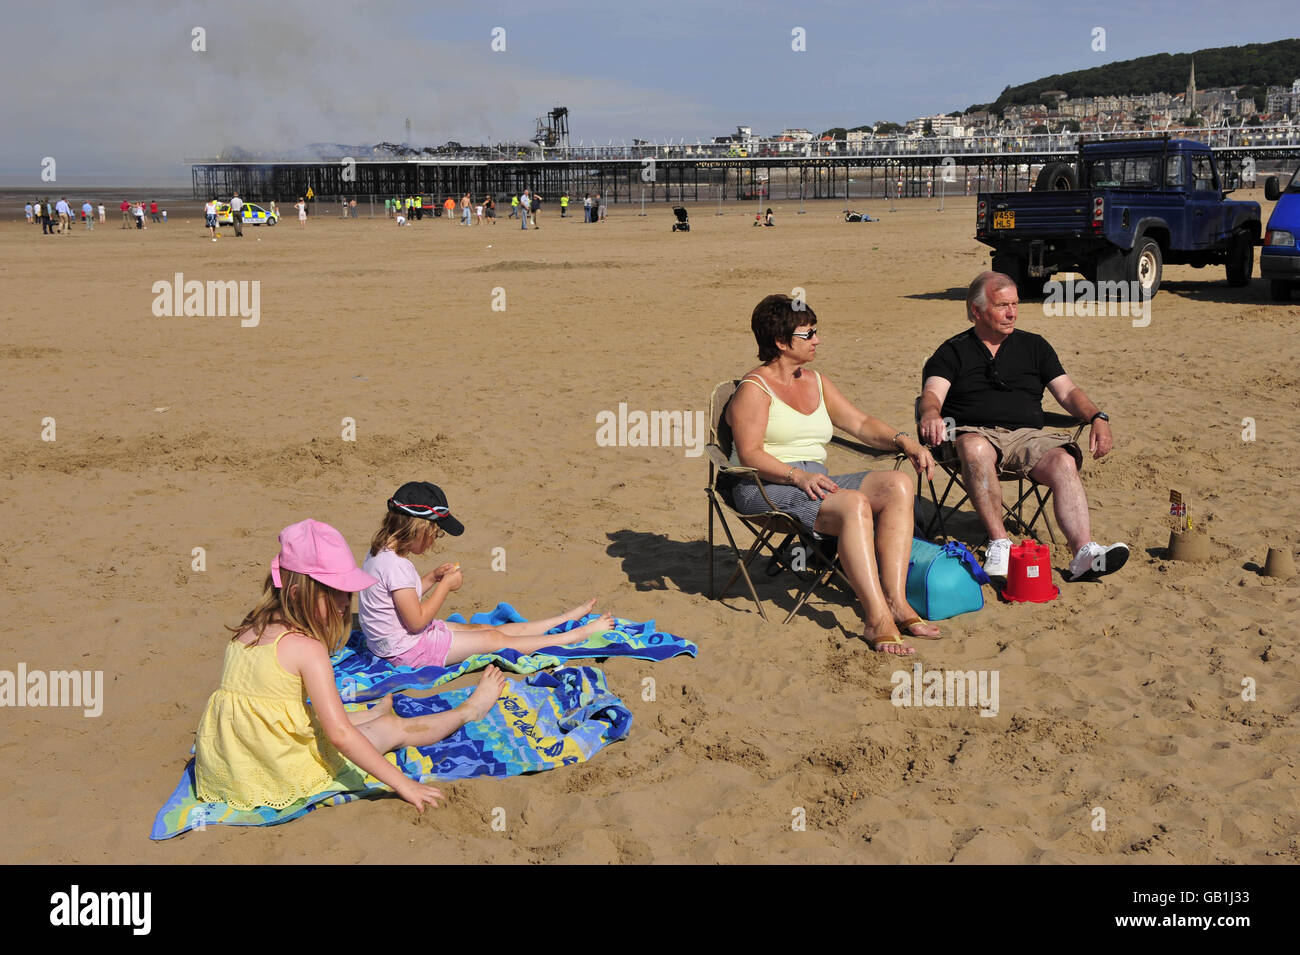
(177, 433)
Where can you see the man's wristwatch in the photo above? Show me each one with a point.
(1100, 414)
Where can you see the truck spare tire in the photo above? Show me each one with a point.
(1056, 177)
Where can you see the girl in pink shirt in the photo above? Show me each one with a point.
(399, 613)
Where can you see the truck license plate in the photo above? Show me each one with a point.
(1004, 220)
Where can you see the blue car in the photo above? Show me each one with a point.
(1279, 260)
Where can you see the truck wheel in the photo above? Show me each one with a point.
(1143, 265)
(1280, 290)
(1055, 177)
(1018, 269)
(1009, 265)
(1241, 261)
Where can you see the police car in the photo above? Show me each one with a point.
(253, 214)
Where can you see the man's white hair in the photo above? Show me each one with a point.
(977, 296)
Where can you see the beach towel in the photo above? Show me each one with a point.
(546, 720)
(362, 676)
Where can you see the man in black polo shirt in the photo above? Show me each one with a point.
(990, 381)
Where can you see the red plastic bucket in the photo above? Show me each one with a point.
(1029, 575)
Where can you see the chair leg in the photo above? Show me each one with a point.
(819, 578)
(740, 567)
(710, 547)
(760, 539)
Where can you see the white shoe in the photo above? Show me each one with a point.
(996, 557)
(1094, 561)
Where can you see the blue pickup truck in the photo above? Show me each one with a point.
(1279, 260)
(1118, 214)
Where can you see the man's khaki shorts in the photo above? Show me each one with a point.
(1020, 450)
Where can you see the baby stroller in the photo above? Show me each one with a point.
(683, 219)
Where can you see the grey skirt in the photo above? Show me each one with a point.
(790, 499)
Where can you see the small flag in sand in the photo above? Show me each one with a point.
(1178, 509)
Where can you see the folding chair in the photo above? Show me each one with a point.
(822, 562)
(1029, 493)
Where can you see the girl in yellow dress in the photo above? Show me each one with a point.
(260, 743)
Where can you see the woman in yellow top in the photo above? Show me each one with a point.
(781, 418)
(259, 742)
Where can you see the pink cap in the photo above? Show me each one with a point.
(319, 551)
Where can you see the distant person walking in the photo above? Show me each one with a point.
(126, 214)
(210, 216)
(586, 208)
(237, 214)
(525, 208)
(514, 207)
(600, 204)
(537, 208)
(353, 207)
(153, 210)
(27, 211)
(490, 209)
(449, 209)
(88, 213)
(464, 209)
(65, 215)
(564, 204)
(301, 206)
(139, 215)
(101, 213)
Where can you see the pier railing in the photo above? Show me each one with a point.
(1243, 137)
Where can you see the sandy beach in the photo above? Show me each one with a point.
(173, 433)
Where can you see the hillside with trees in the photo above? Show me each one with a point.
(1255, 65)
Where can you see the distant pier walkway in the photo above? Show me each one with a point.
(881, 168)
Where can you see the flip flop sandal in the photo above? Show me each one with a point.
(895, 640)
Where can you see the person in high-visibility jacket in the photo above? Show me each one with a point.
(419, 208)
(514, 207)
(564, 204)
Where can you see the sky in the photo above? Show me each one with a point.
(115, 91)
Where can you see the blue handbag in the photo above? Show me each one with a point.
(944, 581)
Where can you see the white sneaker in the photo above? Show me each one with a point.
(996, 557)
(1094, 561)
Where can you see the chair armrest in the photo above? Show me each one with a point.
(720, 460)
(1053, 420)
(866, 451)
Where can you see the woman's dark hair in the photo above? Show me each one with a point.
(774, 321)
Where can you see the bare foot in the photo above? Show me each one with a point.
(580, 611)
(888, 643)
(381, 708)
(601, 624)
(486, 694)
(910, 621)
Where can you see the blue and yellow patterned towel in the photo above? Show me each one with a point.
(549, 719)
(362, 676)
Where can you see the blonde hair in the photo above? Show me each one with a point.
(296, 605)
(401, 533)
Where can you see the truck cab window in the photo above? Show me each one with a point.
(1174, 171)
(1203, 174)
